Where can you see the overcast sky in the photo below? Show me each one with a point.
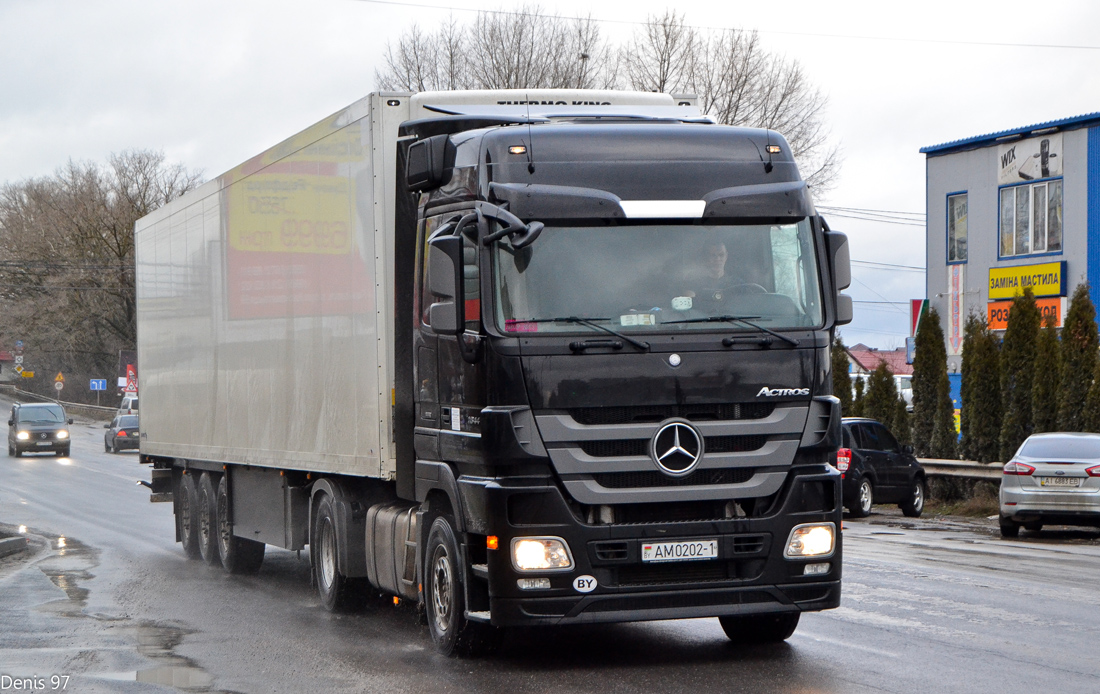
(214, 83)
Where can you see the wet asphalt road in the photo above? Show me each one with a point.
(931, 605)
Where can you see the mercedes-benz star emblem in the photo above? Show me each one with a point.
(676, 448)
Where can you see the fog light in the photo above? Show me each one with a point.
(22, 436)
(62, 434)
(815, 569)
(541, 554)
(811, 540)
(533, 583)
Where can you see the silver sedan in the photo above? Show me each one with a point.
(1052, 479)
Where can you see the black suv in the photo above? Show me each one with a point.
(876, 468)
(38, 428)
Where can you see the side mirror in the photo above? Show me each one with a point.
(11, 422)
(907, 449)
(426, 164)
(106, 426)
(844, 310)
(840, 258)
(446, 316)
(70, 420)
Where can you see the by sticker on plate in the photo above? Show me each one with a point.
(584, 584)
(637, 319)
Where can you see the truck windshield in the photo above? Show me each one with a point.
(659, 278)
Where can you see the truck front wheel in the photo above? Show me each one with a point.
(760, 628)
(445, 599)
(238, 555)
(208, 519)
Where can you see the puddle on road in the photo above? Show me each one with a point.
(159, 642)
(67, 568)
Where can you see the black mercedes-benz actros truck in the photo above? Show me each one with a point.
(523, 358)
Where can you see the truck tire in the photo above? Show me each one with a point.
(760, 628)
(444, 597)
(332, 586)
(913, 505)
(208, 519)
(188, 517)
(238, 555)
(865, 498)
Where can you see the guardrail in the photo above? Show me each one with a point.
(90, 411)
(969, 469)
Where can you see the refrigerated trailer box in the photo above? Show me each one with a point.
(467, 345)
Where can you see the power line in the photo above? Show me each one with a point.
(888, 266)
(846, 37)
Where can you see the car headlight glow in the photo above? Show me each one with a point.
(541, 554)
(62, 434)
(811, 540)
(23, 435)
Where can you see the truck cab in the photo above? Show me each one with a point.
(620, 332)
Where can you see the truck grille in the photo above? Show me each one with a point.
(623, 448)
(628, 480)
(636, 414)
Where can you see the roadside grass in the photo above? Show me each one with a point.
(961, 497)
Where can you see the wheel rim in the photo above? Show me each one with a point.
(204, 518)
(185, 515)
(865, 496)
(918, 497)
(224, 530)
(442, 587)
(328, 556)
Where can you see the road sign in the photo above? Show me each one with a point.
(59, 378)
(19, 359)
(27, 374)
(97, 384)
(19, 344)
(19, 368)
(58, 385)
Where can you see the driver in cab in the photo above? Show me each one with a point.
(706, 285)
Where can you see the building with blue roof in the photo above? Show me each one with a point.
(1008, 210)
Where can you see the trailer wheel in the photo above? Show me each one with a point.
(238, 555)
(444, 595)
(760, 628)
(208, 519)
(332, 586)
(188, 517)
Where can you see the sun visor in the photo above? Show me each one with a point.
(788, 199)
(537, 201)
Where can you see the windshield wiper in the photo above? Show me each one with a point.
(744, 320)
(591, 323)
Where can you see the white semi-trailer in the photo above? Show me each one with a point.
(524, 357)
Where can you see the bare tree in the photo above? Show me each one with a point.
(738, 83)
(526, 49)
(67, 256)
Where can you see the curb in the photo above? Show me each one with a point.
(12, 545)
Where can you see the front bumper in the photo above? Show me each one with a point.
(749, 576)
(52, 446)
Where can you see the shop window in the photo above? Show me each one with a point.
(956, 228)
(1031, 219)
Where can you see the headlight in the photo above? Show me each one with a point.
(22, 436)
(541, 554)
(811, 540)
(62, 434)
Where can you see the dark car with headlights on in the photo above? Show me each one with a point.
(122, 434)
(38, 428)
(877, 469)
(1053, 479)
